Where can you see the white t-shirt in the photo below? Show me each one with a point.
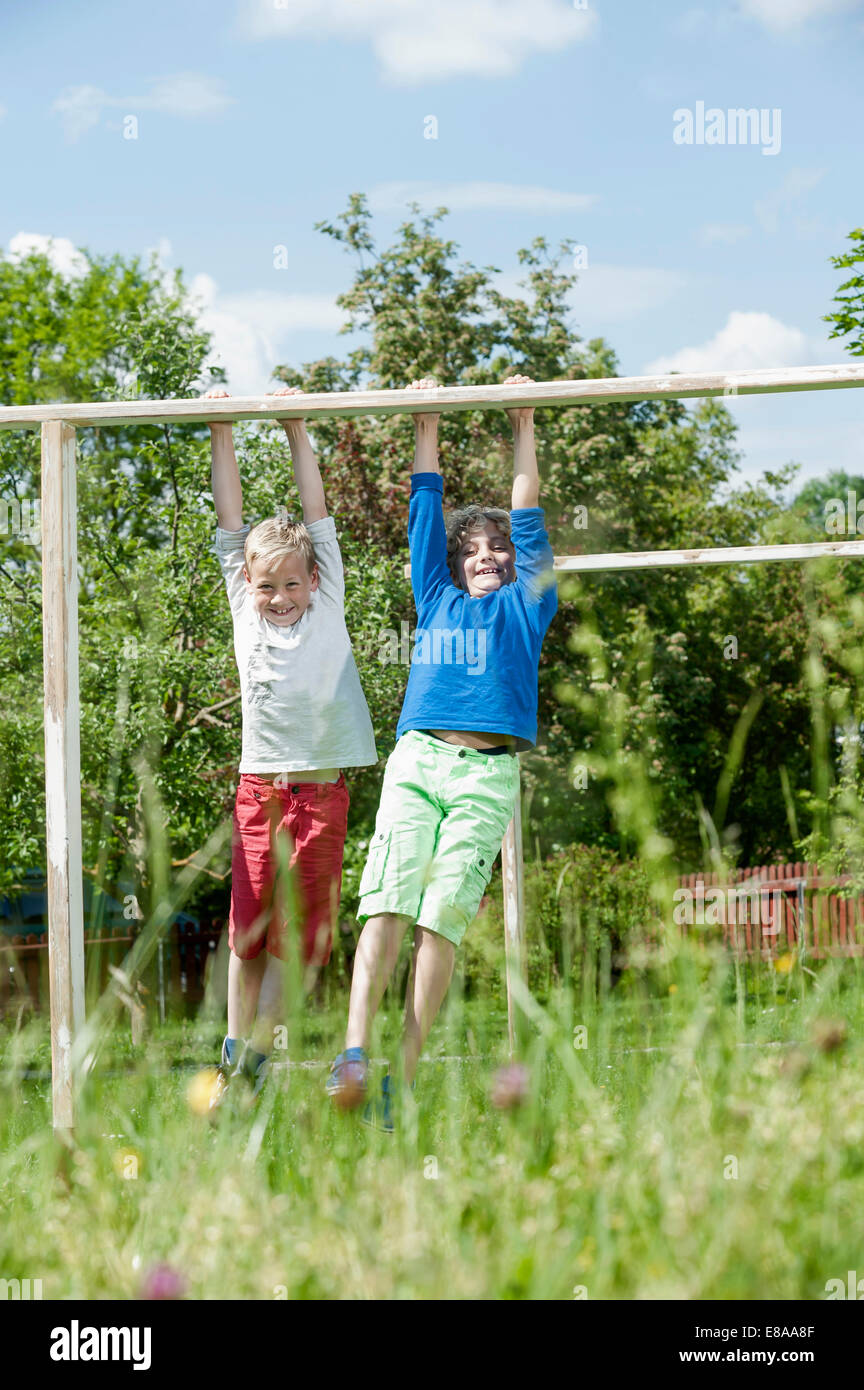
(303, 705)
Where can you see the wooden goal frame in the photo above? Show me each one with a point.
(59, 423)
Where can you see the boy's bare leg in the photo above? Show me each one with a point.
(269, 1005)
(431, 973)
(374, 960)
(244, 988)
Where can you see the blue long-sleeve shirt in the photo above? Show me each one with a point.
(474, 664)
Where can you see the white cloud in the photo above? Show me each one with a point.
(695, 22)
(280, 314)
(161, 253)
(252, 331)
(819, 448)
(778, 206)
(184, 94)
(473, 197)
(608, 294)
(255, 330)
(163, 250)
(247, 354)
(427, 40)
(747, 340)
(797, 183)
(777, 16)
(784, 15)
(79, 109)
(64, 257)
(722, 233)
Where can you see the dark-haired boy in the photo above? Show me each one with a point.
(482, 583)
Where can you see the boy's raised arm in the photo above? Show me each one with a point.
(224, 473)
(526, 478)
(307, 474)
(426, 432)
(427, 538)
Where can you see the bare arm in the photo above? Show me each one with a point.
(224, 473)
(425, 432)
(426, 444)
(307, 474)
(526, 478)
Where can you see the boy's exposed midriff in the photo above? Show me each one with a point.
(321, 774)
(473, 739)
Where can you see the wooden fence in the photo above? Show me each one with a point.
(177, 979)
(774, 910)
(770, 911)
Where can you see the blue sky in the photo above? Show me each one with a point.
(257, 118)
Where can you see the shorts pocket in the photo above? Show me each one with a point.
(252, 798)
(474, 881)
(376, 862)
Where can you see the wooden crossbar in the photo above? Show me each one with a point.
(593, 391)
(60, 632)
(722, 555)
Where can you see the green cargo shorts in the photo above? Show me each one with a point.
(441, 819)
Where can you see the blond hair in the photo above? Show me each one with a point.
(276, 537)
(463, 523)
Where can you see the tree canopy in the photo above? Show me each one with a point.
(701, 684)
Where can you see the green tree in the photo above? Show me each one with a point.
(812, 501)
(636, 671)
(645, 476)
(146, 584)
(848, 317)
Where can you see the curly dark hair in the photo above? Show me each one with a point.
(462, 523)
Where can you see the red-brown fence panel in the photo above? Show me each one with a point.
(774, 909)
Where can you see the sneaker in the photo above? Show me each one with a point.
(241, 1067)
(378, 1114)
(346, 1084)
(224, 1073)
(259, 1077)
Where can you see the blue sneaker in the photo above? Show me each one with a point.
(225, 1072)
(346, 1084)
(258, 1076)
(378, 1114)
(246, 1064)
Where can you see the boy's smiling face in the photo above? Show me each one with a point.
(486, 561)
(281, 589)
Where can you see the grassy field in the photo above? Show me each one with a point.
(706, 1142)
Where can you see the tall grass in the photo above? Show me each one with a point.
(679, 1153)
(695, 1132)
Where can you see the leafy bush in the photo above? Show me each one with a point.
(583, 909)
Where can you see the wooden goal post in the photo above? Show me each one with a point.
(58, 424)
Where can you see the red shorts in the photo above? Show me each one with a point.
(311, 818)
